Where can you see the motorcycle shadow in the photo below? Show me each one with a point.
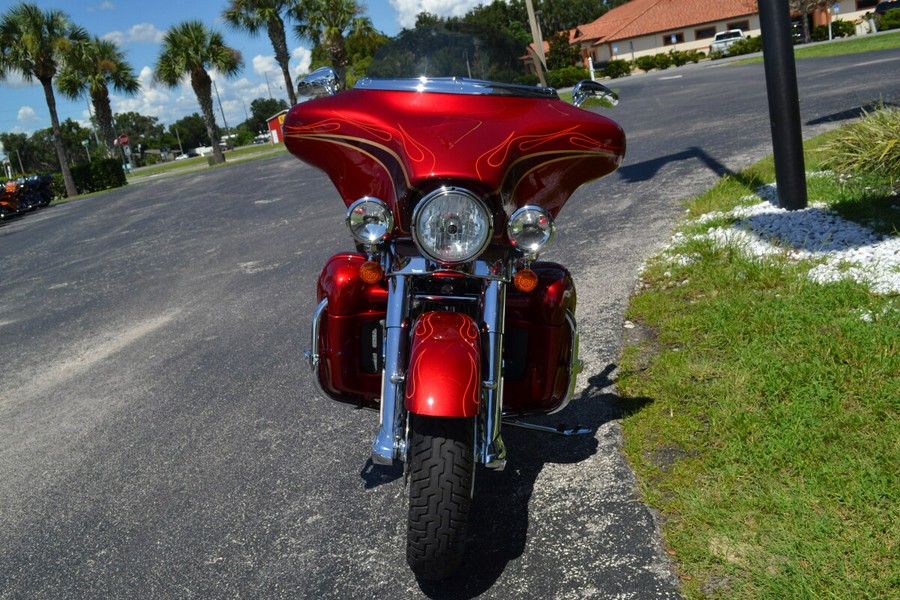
(498, 525)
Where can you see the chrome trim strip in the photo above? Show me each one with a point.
(312, 353)
(389, 441)
(558, 430)
(457, 85)
(492, 451)
(418, 265)
(576, 365)
(437, 298)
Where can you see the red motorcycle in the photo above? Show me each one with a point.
(444, 319)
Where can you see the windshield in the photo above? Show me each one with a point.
(441, 52)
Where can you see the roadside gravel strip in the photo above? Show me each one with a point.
(842, 249)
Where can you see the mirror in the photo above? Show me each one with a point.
(321, 82)
(586, 88)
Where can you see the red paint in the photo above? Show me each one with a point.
(394, 145)
(444, 374)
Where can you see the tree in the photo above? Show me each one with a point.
(139, 127)
(190, 48)
(191, 131)
(804, 7)
(92, 68)
(561, 54)
(563, 15)
(18, 149)
(327, 22)
(260, 110)
(254, 15)
(34, 43)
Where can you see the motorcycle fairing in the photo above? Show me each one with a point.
(444, 374)
(391, 144)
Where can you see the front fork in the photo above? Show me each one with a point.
(390, 440)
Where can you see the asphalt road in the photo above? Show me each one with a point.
(159, 432)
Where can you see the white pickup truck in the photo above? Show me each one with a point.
(725, 39)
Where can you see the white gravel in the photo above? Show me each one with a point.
(837, 248)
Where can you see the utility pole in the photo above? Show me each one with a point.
(784, 103)
(540, 62)
(227, 132)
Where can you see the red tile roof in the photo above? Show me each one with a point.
(644, 17)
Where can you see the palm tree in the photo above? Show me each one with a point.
(254, 15)
(92, 68)
(34, 43)
(326, 22)
(190, 48)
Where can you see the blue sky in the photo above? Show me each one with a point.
(138, 25)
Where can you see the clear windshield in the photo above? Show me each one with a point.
(441, 52)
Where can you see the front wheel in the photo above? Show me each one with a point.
(441, 472)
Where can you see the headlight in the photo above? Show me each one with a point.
(451, 226)
(370, 220)
(530, 229)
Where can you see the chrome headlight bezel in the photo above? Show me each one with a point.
(369, 220)
(469, 212)
(530, 229)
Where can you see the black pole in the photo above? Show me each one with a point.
(784, 103)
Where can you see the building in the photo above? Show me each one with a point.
(643, 27)
(275, 122)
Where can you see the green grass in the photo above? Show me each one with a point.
(852, 45)
(768, 433)
(198, 162)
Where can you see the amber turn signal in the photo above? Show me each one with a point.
(525, 280)
(370, 272)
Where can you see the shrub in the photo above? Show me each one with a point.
(98, 175)
(527, 80)
(746, 46)
(679, 58)
(617, 68)
(645, 63)
(839, 29)
(843, 29)
(889, 20)
(662, 61)
(871, 144)
(566, 77)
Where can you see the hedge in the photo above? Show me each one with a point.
(99, 175)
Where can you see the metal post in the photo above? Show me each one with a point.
(540, 61)
(784, 103)
(221, 110)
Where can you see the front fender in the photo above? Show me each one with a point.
(444, 374)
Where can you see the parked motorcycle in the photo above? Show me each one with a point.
(25, 194)
(443, 319)
(10, 200)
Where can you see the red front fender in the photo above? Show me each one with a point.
(444, 375)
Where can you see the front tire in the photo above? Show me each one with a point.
(441, 473)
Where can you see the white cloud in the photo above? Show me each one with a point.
(264, 64)
(116, 37)
(14, 79)
(26, 116)
(145, 33)
(407, 10)
(303, 58)
(102, 6)
(142, 33)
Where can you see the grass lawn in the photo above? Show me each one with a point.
(766, 407)
(851, 45)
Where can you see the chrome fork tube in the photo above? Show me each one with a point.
(389, 442)
(492, 449)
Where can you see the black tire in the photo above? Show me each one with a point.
(441, 473)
